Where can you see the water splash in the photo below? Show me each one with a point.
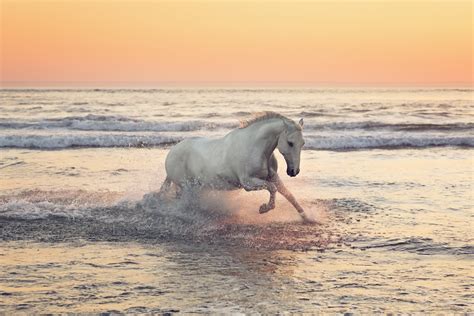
(211, 217)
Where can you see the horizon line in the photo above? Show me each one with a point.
(219, 84)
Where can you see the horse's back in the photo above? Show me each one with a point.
(197, 159)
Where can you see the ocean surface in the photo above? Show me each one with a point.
(387, 172)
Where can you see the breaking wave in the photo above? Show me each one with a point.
(335, 142)
(98, 140)
(92, 122)
(409, 127)
(343, 142)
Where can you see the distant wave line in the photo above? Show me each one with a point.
(119, 123)
(337, 142)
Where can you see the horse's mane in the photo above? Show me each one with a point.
(263, 116)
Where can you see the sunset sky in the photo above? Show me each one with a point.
(260, 42)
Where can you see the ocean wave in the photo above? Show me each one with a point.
(335, 142)
(71, 141)
(410, 127)
(342, 142)
(92, 122)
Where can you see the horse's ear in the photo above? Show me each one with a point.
(301, 122)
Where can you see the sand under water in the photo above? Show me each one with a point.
(82, 230)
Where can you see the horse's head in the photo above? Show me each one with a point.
(289, 144)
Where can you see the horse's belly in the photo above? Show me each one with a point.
(214, 178)
(223, 184)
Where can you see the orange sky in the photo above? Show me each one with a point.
(259, 42)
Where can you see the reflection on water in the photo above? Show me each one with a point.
(135, 277)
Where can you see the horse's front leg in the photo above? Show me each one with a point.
(254, 184)
(287, 194)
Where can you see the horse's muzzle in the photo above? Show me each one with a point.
(292, 172)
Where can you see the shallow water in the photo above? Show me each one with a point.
(82, 230)
(398, 241)
(136, 277)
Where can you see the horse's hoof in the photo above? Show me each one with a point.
(263, 208)
(307, 220)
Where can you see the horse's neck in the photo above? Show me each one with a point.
(266, 135)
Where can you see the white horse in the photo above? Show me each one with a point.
(241, 159)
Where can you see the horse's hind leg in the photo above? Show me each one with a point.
(165, 187)
(179, 191)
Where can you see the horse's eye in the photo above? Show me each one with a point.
(290, 144)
